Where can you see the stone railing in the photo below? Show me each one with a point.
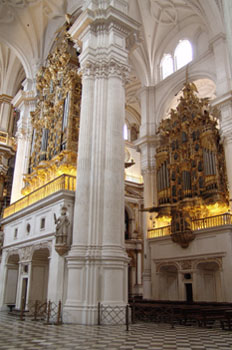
(63, 182)
(199, 224)
(7, 140)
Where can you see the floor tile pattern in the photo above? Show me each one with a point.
(29, 335)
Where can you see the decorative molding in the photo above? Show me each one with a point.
(190, 263)
(104, 68)
(5, 99)
(26, 253)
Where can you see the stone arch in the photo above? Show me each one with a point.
(168, 281)
(208, 280)
(211, 263)
(42, 245)
(174, 264)
(175, 87)
(11, 280)
(38, 283)
(21, 56)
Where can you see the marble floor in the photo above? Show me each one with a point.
(30, 335)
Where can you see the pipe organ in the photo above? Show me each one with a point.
(191, 174)
(55, 121)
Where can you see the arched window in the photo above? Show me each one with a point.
(183, 53)
(166, 65)
(125, 132)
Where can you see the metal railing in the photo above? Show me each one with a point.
(212, 221)
(159, 232)
(198, 224)
(63, 182)
(46, 311)
(113, 315)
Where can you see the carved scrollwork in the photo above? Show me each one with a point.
(26, 253)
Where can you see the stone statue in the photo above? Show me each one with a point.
(62, 228)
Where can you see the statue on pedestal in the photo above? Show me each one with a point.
(63, 236)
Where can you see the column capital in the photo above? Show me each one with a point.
(147, 141)
(104, 34)
(103, 4)
(104, 68)
(23, 98)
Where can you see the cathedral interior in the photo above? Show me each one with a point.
(115, 163)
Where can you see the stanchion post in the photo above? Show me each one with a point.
(22, 310)
(127, 317)
(99, 313)
(36, 310)
(59, 314)
(133, 311)
(49, 312)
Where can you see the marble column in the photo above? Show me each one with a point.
(97, 262)
(25, 101)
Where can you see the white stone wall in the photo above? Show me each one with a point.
(211, 250)
(45, 277)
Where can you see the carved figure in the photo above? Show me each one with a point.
(62, 227)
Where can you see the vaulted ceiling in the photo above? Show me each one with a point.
(28, 29)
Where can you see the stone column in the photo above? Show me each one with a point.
(3, 277)
(25, 101)
(222, 64)
(97, 262)
(224, 104)
(227, 7)
(147, 144)
(6, 116)
(7, 145)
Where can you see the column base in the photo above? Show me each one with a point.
(97, 276)
(80, 314)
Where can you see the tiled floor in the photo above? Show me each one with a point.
(15, 334)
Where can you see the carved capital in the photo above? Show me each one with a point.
(104, 68)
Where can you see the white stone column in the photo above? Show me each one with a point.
(97, 263)
(139, 267)
(147, 144)
(56, 281)
(224, 104)
(6, 118)
(7, 145)
(227, 7)
(25, 101)
(222, 64)
(3, 278)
